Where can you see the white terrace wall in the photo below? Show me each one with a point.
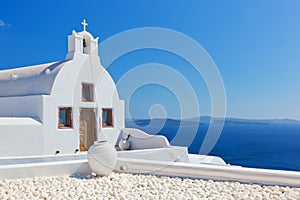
(21, 129)
(23, 106)
(20, 136)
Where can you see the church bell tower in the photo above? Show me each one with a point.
(81, 43)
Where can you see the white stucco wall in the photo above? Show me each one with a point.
(23, 106)
(20, 136)
(87, 69)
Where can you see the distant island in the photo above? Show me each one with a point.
(205, 120)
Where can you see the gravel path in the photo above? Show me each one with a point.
(129, 186)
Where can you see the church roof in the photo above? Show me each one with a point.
(31, 80)
(85, 34)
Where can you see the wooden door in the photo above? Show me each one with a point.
(88, 133)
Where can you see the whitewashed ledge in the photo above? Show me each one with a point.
(213, 172)
(40, 166)
(73, 165)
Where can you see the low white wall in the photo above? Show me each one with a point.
(214, 172)
(60, 168)
(21, 139)
(25, 106)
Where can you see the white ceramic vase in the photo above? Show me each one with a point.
(124, 145)
(102, 158)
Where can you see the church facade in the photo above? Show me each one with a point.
(60, 107)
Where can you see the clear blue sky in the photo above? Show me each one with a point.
(255, 44)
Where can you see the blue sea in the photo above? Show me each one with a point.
(259, 145)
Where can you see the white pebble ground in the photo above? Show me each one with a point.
(130, 186)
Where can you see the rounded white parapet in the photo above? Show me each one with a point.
(102, 158)
(204, 159)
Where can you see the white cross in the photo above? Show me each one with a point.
(84, 24)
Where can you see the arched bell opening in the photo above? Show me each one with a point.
(86, 45)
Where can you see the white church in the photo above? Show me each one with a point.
(59, 107)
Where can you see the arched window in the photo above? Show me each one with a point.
(87, 92)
